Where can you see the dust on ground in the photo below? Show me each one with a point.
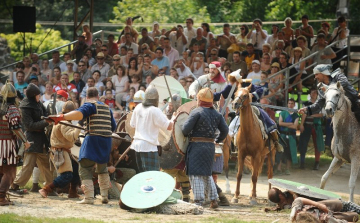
(55, 207)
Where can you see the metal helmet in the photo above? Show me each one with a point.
(8, 91)
(205, 95)
(151, 97)
(68, 107)
(139, 96)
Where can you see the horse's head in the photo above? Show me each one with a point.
(242, 98)
(334, 97)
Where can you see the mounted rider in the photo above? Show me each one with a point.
(256, 90)
(323, 74)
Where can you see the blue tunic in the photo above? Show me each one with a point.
(203, 122)
(95, 148)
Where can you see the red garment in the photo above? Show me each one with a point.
(219, 79)
(70, 87)
(110, 103)
(206, 104)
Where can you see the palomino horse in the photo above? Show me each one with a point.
(250, 143)
(346, 141)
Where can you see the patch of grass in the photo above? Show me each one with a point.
(14, 218)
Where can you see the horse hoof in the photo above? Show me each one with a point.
(253, 202)
(234, 200)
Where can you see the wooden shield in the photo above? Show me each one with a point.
(181, 142)
(187, 107)
(130, 130)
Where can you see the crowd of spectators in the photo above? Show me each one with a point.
(135, 59)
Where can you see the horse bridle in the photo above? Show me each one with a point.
(239, 104)
(335, 104)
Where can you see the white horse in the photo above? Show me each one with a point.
(346, 141)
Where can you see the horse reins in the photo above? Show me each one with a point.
(336, 104)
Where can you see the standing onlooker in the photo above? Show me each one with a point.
(130, 44)
(66, 57)
(257, 35)
(112, 46)
(170, 52)
(145, 39)
(85, 73)
(206, 32)
(79, 48)
(311, 126)
(306, 30)
(288, 123)
(274, 36)
(155, 31)
(189, 31)
(177, 38)
(87, 34)
(340, 33)
(223, 41)
(288, 31)
(199, 40)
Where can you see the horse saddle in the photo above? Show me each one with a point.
(257, 119)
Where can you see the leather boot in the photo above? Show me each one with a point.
(35, 187)
(73, 191)
(3, 200)
(104, 184)
(185, 189)
(223, 200)
(44, 192)
(214, 204)
(275, 138)
(14, 188)
(88, 188)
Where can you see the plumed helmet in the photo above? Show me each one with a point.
(32, 90)
(68, 107)
(151, 97)
(139, 96)
(8, 91)
(205, 95)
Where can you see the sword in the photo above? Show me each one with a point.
(274, 107)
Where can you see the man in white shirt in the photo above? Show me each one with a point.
(255, 73)
(182, 70)
(63, 66)
(170, 52)
(189, 31)
(148, 119)
(130, 44)
(178, 40)
(257, 35)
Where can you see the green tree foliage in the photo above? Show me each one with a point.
(33, 41)
(163, 11)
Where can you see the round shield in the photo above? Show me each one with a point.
(187, 107)
(120, 126)
(147, 189)
(130, 130)
(170, 156)
(304, 189)
(174, 85)
(181, 142)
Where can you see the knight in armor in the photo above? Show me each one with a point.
(10, 131)
(62, 140)
(213, 80)
(32, 111)
(256, 90)
(323, 74)
(201, 128)
(147, 119)
(96, 147)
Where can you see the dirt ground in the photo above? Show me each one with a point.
(56, 207)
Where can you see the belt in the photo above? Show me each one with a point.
(288, 133)
(201, 139)
(67, 150)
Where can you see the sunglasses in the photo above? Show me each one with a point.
(144, 48)
(100, 58)
(81, 65)
(242, 28)
(116, 59)
(213, 54)
(103, 49)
